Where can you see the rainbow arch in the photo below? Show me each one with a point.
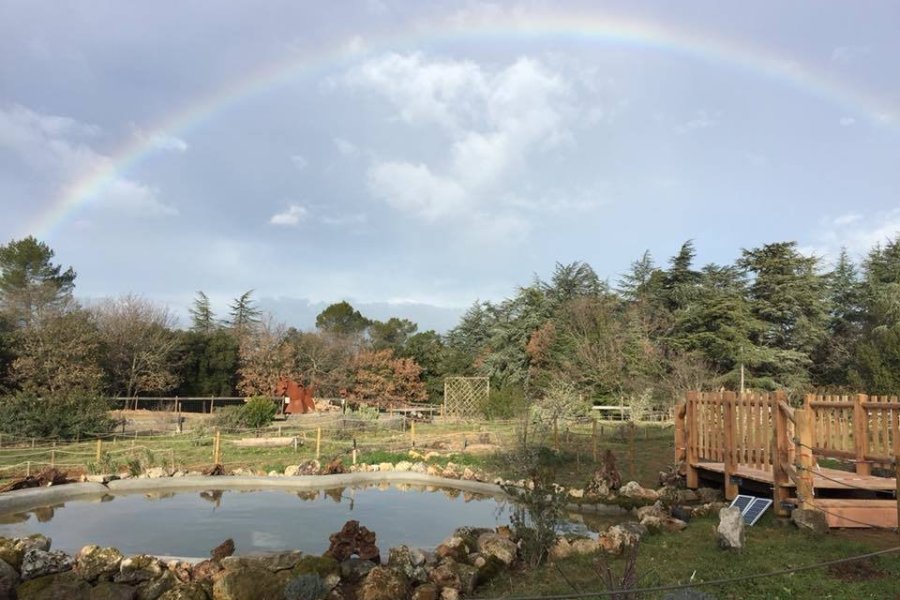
(590, 28)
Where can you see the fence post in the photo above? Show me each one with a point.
(555, 434)
(861, 435)
(731, 488)
(28, 469)
(594, 438)
(318, 441)
(99, 448)
(53, 457)
(172, 456)
(631, 466)
(412, 433)
(780, 456)
(691, 458)
(805, 458)
(217, 455)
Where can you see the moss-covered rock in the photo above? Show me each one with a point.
(323, 566)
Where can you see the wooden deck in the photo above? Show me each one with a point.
(823, 479)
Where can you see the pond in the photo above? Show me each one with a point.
(190, 524)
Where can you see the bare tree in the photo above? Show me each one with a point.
(139, 345)
(265, 357)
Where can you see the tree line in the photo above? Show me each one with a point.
(775, 318)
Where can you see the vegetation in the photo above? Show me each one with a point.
(64, 417)
(256, 412)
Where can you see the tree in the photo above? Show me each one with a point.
(58, 354)
(139, 345)
(321, 359)
(680, 281)
(382, 380)
(342, 319)
(570, 281)
(391, 334)
(30, 282)
(207, 363)
(244, 313)
(428, 351)
(264, 358)
(203, 320)
(833, 360)
(634, 285)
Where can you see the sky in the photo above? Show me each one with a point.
(415, 157)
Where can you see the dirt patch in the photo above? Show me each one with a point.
(858, 570)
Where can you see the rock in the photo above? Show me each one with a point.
(427, 591)
(493, 544)
(355, 569)
(654, 510)
(186, 591)
(671, 524)
(206, 570)
(292, 470)
(9, 579)
(620, 537)
(686, 497)
(13, 549)
(37, 563)
(449, 594)
(273, 561)
(576, 493)
(154, 588)
(730, 533)
(488, 568)
(708, 495)
(469, 474)
(419, 467)
(156, 473)
(385, 466)
(705, 510)
(138, 569)
(351, 540)
(106, 590)
(454, 547)
(682, 513)
(403, 466)
(434, 471)
(810, 520)
(444, 576)
(305, 587)
(61, 586)
(323, 566)
(181, 569)
(605, 478)
(94, 563)
(408, 561)
(633, 490)
(223, 550)
(246, 583)
(653, 523)
(565, 547)
(335, 467)
(468, 577)
(308, 467)
(383, 583)
(104, 479)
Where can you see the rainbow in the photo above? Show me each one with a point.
(579, 28)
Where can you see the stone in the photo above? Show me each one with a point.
(9, 579)
(620, 537)
(454, 547)
(355, 569)
(223, 550)
(138, 569)
(444, 576)
(813, 521)
(493, 544)
(273, 561)
(385, 466)
(633, 490)
(186, 591)
(403, 466)
(205, 570)
(654, 510)
(13, 549)
(383, 583)
(686, 497)
(292, 470)
(156, 473)
(106, 590)
(576, 493)
(94, 563)
(323, 566)
(488, 568)
(468, 577)
(408, 561)
(60, 586)
(181, 569)
(605, 478)
(353, 539)
(708, 495)
(730, 532)
(154, 588)
(671, 524)
(427, 591)
(246, 583)
(682, 513)
(449, 594)
(37, 563)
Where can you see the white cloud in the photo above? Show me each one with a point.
(857, 232)
(54, 148)
(413, 188)
(346, 148)
(299, 161)
(701, 120)
(845, 55)
(290, 217)
(344, 220)
(847, 121)
(847, 219)
(162, 141)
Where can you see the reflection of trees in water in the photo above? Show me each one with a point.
(335, 494)
(44, 513)
(214, 496)
(13, 518)
(107, 498)
(451, 493)
(159, 495)
(308, 495)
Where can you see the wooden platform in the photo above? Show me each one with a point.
(823, 479)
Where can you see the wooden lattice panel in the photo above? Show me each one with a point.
(464, 396)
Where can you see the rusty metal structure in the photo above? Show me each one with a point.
(299, 398)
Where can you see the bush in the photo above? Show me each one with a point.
(65, 417)
(256, 412)
(505, 403)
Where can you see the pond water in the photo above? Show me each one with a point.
(190, 524)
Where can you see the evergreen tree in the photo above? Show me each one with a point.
(833, 360)
(30, 282)
(342, 319)
(245, 316)
(680, 281)
(202, 318)
(391, 334)
(636, 284)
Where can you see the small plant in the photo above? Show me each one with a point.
(305, 587)
(364, 412)
(256, 412)
(620, 586)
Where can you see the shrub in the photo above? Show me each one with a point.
(256, 412)
(505, 403)
(65, 417)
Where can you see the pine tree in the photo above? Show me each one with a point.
(30, 282)
(203, 320)
(244, 313)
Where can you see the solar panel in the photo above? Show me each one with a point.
(752, 508)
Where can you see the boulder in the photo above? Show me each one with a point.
(708, 495)
(444, 576)
(13, 549)
(383, 583)
(409, 561)
(454, 547)
(810, 520)
(654, 510)
(186, 591)
(427, 591)
(154, 588)
(9, 579)
(205, 570)
(355, 569)
(292, 470)
(61, 586)
(156, 473)
(223, 550)
(94, 563)
(468, 577)
(403, 466)
(730, 532)
(138, 569)
(620, 537)
(248, 582)
(633, 490)
(37, 563)
(323, 566)
(351, 540)
(493, 544)
(273, 561)
(449, 594)
(106, 590)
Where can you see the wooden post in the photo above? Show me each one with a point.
(28, 469)
(53, 457)
(780, 457)
(318, 442)
(555, 434)
(805, 458)
(631, 465)
(99, 448)
(412, 433)
(594, 439)
(895, 438)
(354, 456)
(730, 450)
(172, 456)
(861, 435)
(690, 425)
(217, 453)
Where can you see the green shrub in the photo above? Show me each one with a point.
(505, 403)
(256, 412)
(64, 416)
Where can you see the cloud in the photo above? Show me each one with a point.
(55, 149)
(847, 219)
(494, 122)
(344, 220)
(702, 120)
(161, 141)
(346, 148)
(857, 232)
(299, 161)
(847, 121)
(845, 55)
(290, 217)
